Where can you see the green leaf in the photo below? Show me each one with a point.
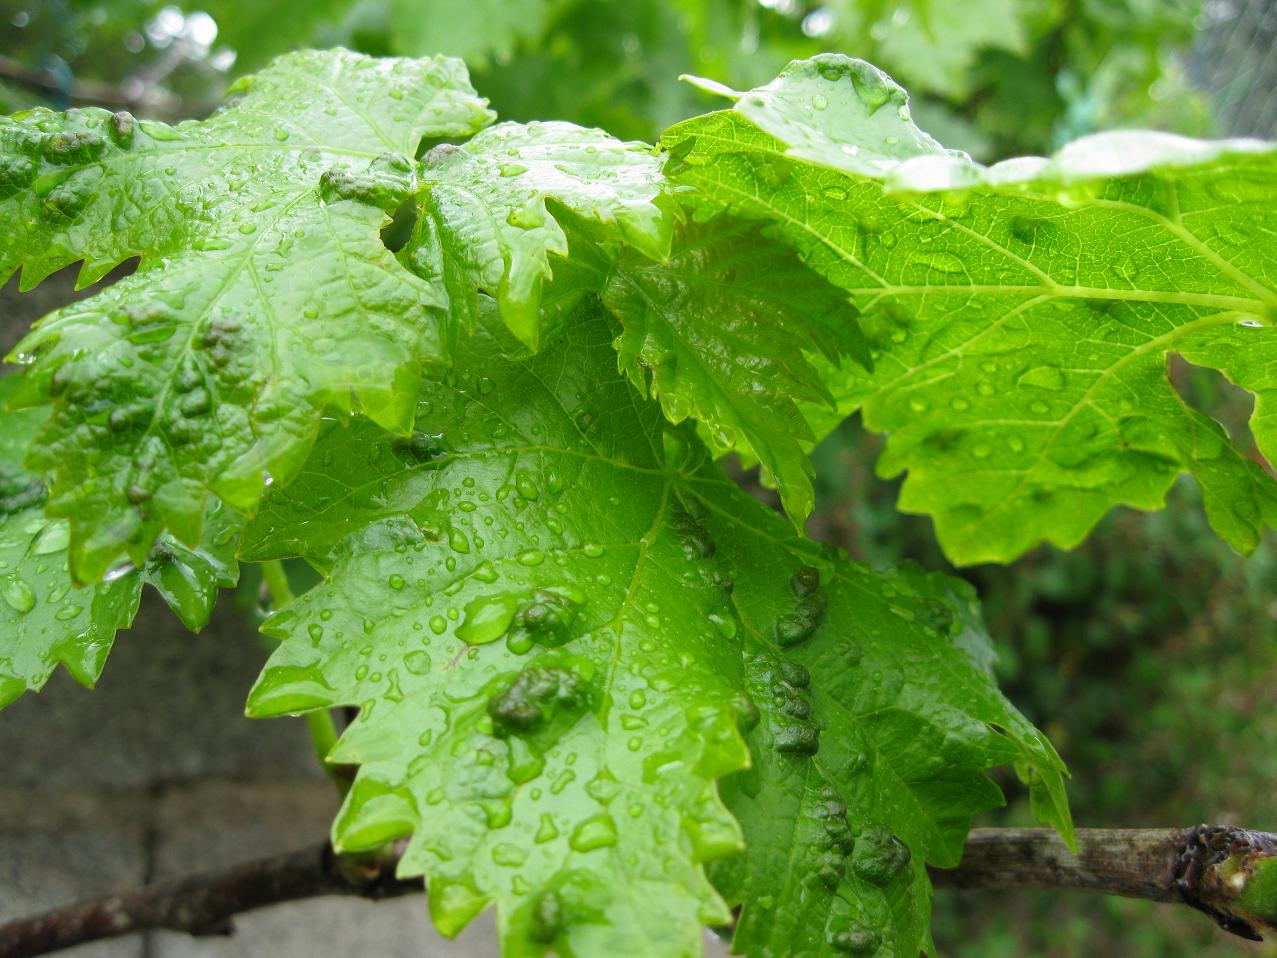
(1020, 316)
(722, 327)
(557, 615)
(263, 294)
(879, 718)
(529, 631)
(44, 620)
(485, 227)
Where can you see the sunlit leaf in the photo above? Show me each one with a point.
(1020, 316)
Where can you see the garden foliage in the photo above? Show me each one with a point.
(599, 685)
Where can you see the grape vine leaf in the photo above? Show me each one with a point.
(526, 618)
(719, 331)
(44, 620)
(1019, 316)
(485, 228)
(263, 293)
(880, 715)
(540, 616)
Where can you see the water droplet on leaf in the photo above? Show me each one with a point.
(17, 593)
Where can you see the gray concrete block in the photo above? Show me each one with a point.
(335, 928)
(208, 825)
(54, 851)
(19, 310)
(216, 824)
(168, 709)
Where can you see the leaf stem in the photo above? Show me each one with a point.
(323, 731)
(275, 578)
(323, 736)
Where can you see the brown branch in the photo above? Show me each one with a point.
(206, 904)
(1229, 873)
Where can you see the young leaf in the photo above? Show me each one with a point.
(556, 615)
(1021, 316)
(723, 327)
(485, 226)
(44, 621)
(263, 295)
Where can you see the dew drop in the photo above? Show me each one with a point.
(548, 831)
(526, 487)
(52, 538)
(525, 218)
(509, 855)
(562, 782)
(943, 262)
(1043, 377)
(68, 612)
(519, 643)
(487, 619)
(725, 624)
(17, 593)
(603, 787)
(596, 832)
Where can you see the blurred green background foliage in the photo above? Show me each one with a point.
(1148, 653)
